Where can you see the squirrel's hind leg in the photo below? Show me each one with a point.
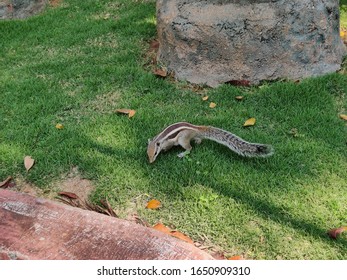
(197, 140)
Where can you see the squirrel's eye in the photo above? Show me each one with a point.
(158, 144)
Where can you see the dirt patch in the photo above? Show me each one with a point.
(28, 188)
(71, 182)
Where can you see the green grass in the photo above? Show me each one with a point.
(77, 63)
(343, 14)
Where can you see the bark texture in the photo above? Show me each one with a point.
(36, 228)
(217, 41)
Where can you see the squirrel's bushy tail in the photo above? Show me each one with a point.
(237, 144)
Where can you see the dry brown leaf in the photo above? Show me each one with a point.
(343, 117)
(205, 98)
(175, 233)
(138, 220)
(28, 162)
(212, 105)
(4, 184)
(249, 122)
(343, 35)
(181, 236)
(59, 126)
(108, 208)
(334, 233)
(217, 255)
(69, 195)
(162, 228)
(239, 97)
(153, 204)
(128, 112)
(235, 258)
(132, 113)
(160, 72)
(75, 201)
(154, 45)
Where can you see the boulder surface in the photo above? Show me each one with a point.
(218, 41)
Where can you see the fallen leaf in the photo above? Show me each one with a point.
(28, 162)
(343, 34)
(162, 228)
(128, 112)
(69, 195)
(138, 220)
(154, 45)
(241, 83)
(235, 258)
(153, 204)
(108, 208)
(334, 233)
(181, 236)
(212, 105)
(249, 122)
(343, 117)
(132, 113)
(4, 184)
(75, 201)
(160, 72)
(205, 98)
(175, 233)
(59, 126)
(218, 255)
(239, 97)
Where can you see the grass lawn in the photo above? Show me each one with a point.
(77, 63)
(343, 15)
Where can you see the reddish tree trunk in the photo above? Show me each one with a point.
(36, 228)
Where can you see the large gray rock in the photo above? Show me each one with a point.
(19, 9)
(217, 41)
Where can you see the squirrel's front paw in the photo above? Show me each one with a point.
(181, 155)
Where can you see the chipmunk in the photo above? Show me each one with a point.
(182, 133)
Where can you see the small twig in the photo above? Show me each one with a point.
(4, 184)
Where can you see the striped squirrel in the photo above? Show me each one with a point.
(182, 133)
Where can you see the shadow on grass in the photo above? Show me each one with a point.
(249, 199)
(266, 210)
